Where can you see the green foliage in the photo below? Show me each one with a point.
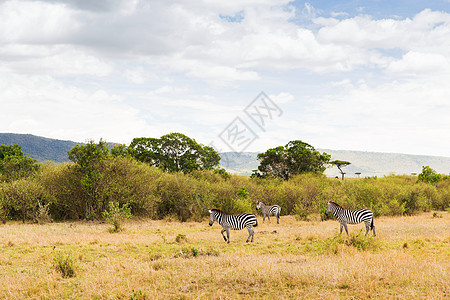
(138, 295)
(222, 172)
(20, 198)
(242, 193)
(42, 215)
(121, 150)
(90, 161)
(429, 175)
(340, 243)
(116, 215)
(14, 164)
(64, 264)
(175, 152)
(340, 164)
(296, 157)
(60, 191)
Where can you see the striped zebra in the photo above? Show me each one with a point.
(347, 216)
(269, 210)
(233, 222)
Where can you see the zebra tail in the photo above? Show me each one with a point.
(371, 224)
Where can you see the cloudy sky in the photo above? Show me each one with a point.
(352, 75)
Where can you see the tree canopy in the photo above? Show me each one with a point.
(340, 164)
(174, 152)
(429, 175)
(14, 164)
(296, 157)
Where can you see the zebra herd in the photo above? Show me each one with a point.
(248, 220)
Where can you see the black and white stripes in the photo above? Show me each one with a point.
(346, 216)
(233, 222)
(269, 210)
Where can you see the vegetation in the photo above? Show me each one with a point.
(429, 175)
(295, 158)
(103, 179)
(299, 258)
(149, 192)
(39, 148)
(293, 260)
(64, 264)
(14, 164)
(175, 152)
(117, 215)
(340, 164)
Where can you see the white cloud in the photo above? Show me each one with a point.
(408, 117)
(53, 60)
(35, 22)
(43, 106)
(427, 30)
(422, 64)
(119, 69)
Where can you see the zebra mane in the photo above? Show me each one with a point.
(216, 210)
(332, 202)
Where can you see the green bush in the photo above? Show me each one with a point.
(116, 215)
(21, 198)
(57, 190)
(64, 264)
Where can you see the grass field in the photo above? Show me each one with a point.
(409, 258)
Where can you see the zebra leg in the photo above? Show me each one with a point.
(251, 233)
(346, 229)
(367, 227)
(264, 217)
(223, 230)
(278, 219)
(342, 225)
(268, 217)
(373, 228)
(228, 235)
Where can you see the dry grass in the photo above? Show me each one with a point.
(410, 258)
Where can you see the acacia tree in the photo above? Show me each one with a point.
(174, 152)
(296, 157)
(340, 164)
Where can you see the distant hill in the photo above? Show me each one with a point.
(368, 163)
(39, 148)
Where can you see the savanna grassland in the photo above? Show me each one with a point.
(168, 259)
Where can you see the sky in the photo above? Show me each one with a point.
(237, 75)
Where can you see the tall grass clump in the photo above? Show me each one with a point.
(341, 243)
(116, 215)
(64, 264)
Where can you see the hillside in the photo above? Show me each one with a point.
(368, 163)
(39, 148)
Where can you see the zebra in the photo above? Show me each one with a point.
(347, 216)
(268, 211)
(233, 222)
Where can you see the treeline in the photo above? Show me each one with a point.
(57, 192)
(186, 186)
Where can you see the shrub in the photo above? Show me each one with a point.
(64, 264)
(429, 175)
(41, 215)
(117, 215)
(358, 241)
(20, 198)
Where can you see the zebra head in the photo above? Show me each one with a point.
(328, 208)
(212, 217)
(258, 204)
